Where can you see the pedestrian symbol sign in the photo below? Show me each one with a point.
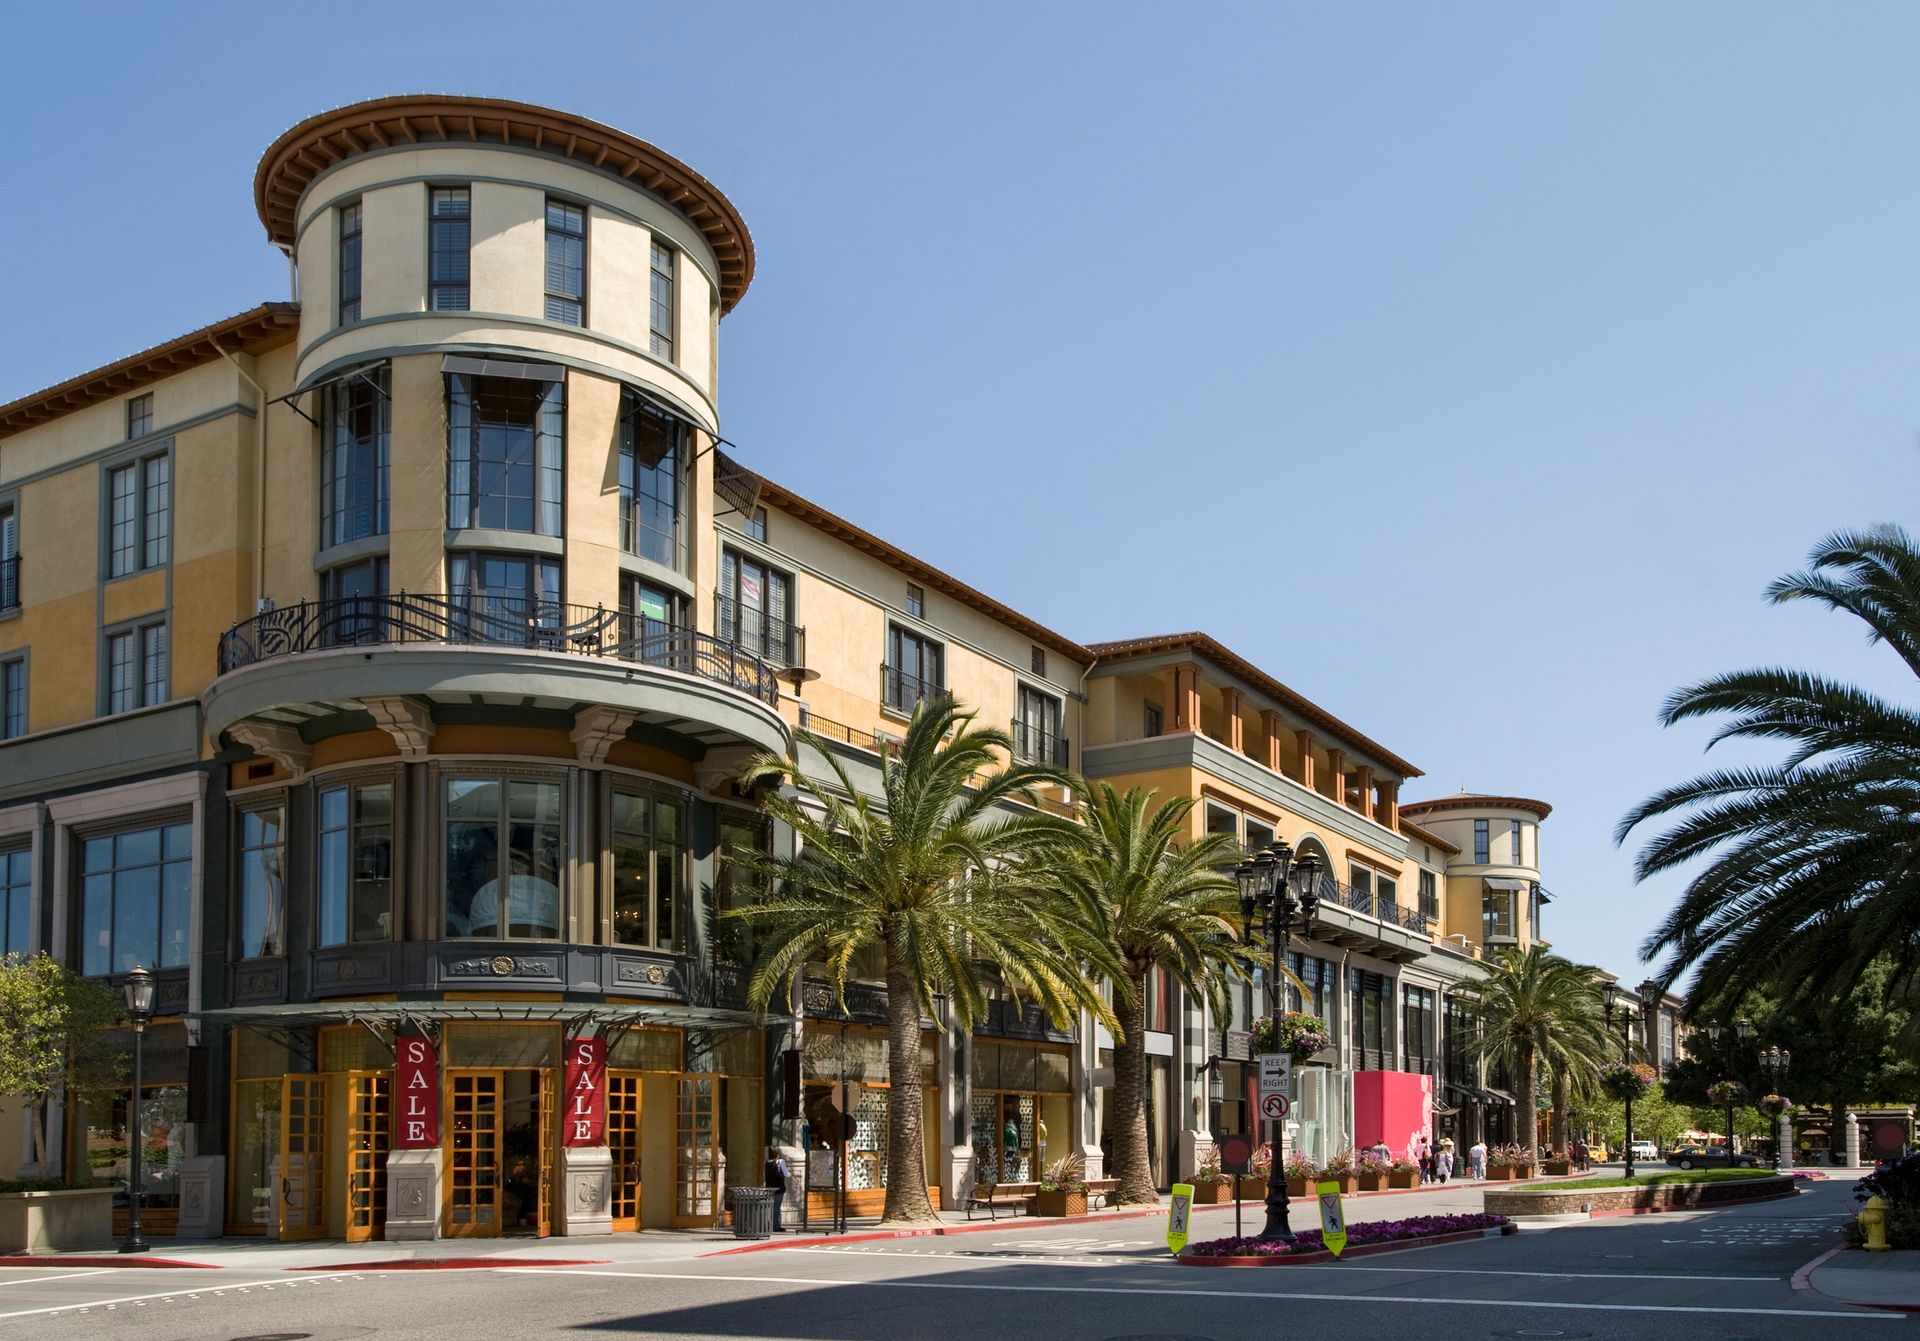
(1333, 1223)
(1177, 1217)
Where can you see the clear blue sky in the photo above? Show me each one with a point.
(1471, 367)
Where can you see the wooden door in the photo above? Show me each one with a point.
(547, 1125)
(303, 1149)
(472, 1154)
(696, 1153)
(369, 1138)
(623, 1143)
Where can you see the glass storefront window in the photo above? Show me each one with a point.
(263, 882)
(356, 863)
(734, 888)
(136, 888)
(504, 857)
(649, 851)
(256, 1145)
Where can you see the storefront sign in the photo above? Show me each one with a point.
(1178, 1215)
(585, 1117)
(416, 1087)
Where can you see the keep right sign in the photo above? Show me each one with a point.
(1276, 1073)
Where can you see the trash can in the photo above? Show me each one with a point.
(753, 1212)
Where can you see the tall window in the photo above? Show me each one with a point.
(1320, 978)
(354, 458)
(13, 697)
(1370, 1008)
(757, 525)
(1455, 1040)
(1481, 843)
(649, 857)
(1533, 910)
(756, 604)
(137, 666)
(505, 467)
(449, 239)
(1518, 860)
(16, 901)
(734, 887)
(916, 601)
(349, 217)
(139, 522)
(651, 616)
(504, 858)
(660, 314)
(136, 896)
(1669, 1053)
(1150, 719)
(1417, 1029)
(1496, 915)
(505, 598)
(356, 863)
(566, 262)
(915, 669)
(651, 496)
(139, 416)
(1360, 880)
(1036, 728)
(354, 612)
(9, 559)
(1429, 896)
(263, 882)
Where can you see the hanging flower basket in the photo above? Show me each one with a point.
(1295, 1032)
(1726, 1092)
(1774, 1105)
(1626, 1080)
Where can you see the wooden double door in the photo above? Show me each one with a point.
(499, 1165)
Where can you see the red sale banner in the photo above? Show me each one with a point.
(416, 1094)
(584, 1119)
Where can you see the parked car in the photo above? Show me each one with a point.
(1646, 1150)
(1708, 1157)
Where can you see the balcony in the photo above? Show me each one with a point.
(400, 663)
(774, 641)
(1039, 745)
(901, 693)
(10, 583)
(1361, 919)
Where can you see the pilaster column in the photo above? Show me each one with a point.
(1337, 775)
(1270, 730)
(1303, 741)
(1187, 688)
(1236, 731)
(1389, 812)
(1365, 778)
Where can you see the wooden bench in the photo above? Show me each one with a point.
(1102, 1188)
(992, 1196)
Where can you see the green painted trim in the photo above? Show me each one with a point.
(477, 538)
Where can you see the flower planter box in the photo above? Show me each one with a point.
(1404, 1178)
(1253, 1187)
(1296, 1187)
(1506, 1175)
(71, 1220)
(1557, 1166)
(1060, 1203)
(1349, 1183)
(1216, 1193)
(1373, 1182)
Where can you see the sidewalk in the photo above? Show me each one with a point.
(1873, 1280)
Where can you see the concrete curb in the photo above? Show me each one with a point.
(88, 1260)
(456, 1264)
(1803, 1278)
(1360, 1250)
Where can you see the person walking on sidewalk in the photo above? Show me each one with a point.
(776, 1178)
(1477, 1159)
(1443, 1162)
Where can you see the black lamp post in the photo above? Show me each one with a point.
(1775, 1061)
(1738, 1034)
(139, 992)
(1616, 1004)
(1268, 903)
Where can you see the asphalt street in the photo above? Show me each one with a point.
(1723, 1274)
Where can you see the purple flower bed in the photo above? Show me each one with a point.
(1374, 1231)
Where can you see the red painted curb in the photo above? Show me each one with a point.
(82, 1260)
(1359, 1250)
(454, 1264)
(1803, 1278)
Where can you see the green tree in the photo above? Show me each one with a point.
(1806, 871)
(1158, 905)
(952, 883)
(1535, 1008)
(54, 1039)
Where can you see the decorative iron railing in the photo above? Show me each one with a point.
(10, 583)
(901, 692)
(1039, 745)
(488, 621)
(756, 631)
(828, 729)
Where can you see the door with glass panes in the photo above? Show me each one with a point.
(303, 1151)
(472, 1154)
(369, 1138)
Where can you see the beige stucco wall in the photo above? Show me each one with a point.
(593, 491)
(509, 249)
(393, 275)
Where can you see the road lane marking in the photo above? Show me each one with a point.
(71, 1275)
(1863, 1314)
(142, 1298)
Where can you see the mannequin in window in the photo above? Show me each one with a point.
(533, 903)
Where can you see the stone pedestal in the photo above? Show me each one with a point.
(203, 1198)
(586, 1190)
(797, 1182)
(1853, 1141)
(1095, 1160)
(1783, 1138)
(413, 1195)
(1196, 1148)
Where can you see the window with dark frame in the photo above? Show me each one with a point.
(13, 697)
(652, 483)
(660, 305)
(1496, 915)
(511, 599)
(505, 857)
(916, 601)
(9, 557)
(1429, 896)
(262, 881)
(139, 416)
(355, 613)
(651, 617)
(1038, 662)
(1150, 719)
(915, 670)
(734, 886)
(1482, 844)
(16, 901)
(349, 265)
(136, 894)
(355, 458)
(1036, 728)
(355, 862)
(139, 515)
(566, 262)
(1370, 1004)
(1417, 1010)
(449, 244)
(1515, 831)
(648, 861)
(136, 666)
(506, 446)
(757, 525)
(756, 608)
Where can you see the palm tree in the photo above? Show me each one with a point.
(952, 882)
(1809, 864)
(1535, 1007)
(1157, 904)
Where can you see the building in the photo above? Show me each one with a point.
(376, 667)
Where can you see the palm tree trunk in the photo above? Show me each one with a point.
(1557, 1128)
(1132, 1165)
(1527, 1121)
(907, 1201)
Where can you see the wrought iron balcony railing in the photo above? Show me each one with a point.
(491, 621)
(1039, 745)
(900, 692)
(10, 583)
(773, 640)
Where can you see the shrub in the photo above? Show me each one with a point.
(1724, 1092)
(1372, 1161)
(1373, 1231)
(1209, 1172)
(1509, 1157)
(1898, 1184)
(1295, 1032)
(36, 1185)
(1064, 1175)
(1339, 1164)
(1262, 1162)
(1774, 1105)
(1299, 1166)
(1405, 1166)
(1626, 1080)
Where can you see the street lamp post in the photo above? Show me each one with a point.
(1268, 903)
(139, 994)
(1616, 1004)
(1775, 1061)
(1738, 1034)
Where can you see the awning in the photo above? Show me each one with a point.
(1506, 884)
(278, 1021)
(1499, 1097)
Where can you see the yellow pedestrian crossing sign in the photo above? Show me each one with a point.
(1333, 1222)
(1177, 1216)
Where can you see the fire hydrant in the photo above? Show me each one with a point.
(1873, 1219)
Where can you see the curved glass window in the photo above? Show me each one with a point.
(504, 856)
(649, 851)
(356, 863)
